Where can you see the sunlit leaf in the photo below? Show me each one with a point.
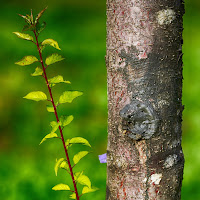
(65, 120)
(79, 140)
(54, 126)
(50, 109)
(79, 156)
(72, 196)
(77, 174)
(57, 165)
(88, 190)
(64, 165)
(67, 144)
(36, 96)
(40, 27)
(69, 96)
(57, 79)
(38, 72)
(53, 58)
(40, 14)
(23, 36)
(27, 60)
(61, 187)
(82, 179)
(50, 135)
(52, 43)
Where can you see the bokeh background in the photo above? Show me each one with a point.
(27, 168)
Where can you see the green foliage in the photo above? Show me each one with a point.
(79, 155)
(82, 179)
(40, 27)
(23, 36)
(65, 120)
(36, 27)
(50, 108)
(54, 126)
(64, 165)
(88, 190)
(53, 59)
(27, 60)
(61, 187)
(73, 196)
(38, 72)
(48, 136)
(36, 96)
(57, 79)
(51, 42)
(69, 96)
(78, 140)
(57, 165)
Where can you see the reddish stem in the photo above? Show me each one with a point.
(57, 118)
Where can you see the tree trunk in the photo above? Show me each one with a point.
(144, 69)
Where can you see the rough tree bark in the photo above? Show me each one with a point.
(144, 70)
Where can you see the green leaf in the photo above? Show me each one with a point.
(82, 179)
(53, 58)
(51, 42)
(40, 27)
(36, 96)
(40, 15)
(50, 109)
(38, 72)
(54, 126)
(72, 196)
(23, 36)
(77, 174)
(79, 140)
(27, 60)
(79, 156)
(61, 187)
(67, 144)
(57, 79)
(87, 189)
(65, 120)
(48, 136)
(69, 96)
(57, 165)
(64, 165)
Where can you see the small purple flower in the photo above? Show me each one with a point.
(103, 158)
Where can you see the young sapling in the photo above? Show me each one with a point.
(34, 25)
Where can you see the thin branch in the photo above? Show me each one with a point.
(57, 118)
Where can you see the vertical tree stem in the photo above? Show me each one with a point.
(57, 118)
(144, 69)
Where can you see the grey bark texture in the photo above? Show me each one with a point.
(144, 74)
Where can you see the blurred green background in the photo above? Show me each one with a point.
(27, 169)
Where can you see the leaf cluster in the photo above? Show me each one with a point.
(32, 23)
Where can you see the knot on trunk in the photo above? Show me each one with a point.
(139, 120)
